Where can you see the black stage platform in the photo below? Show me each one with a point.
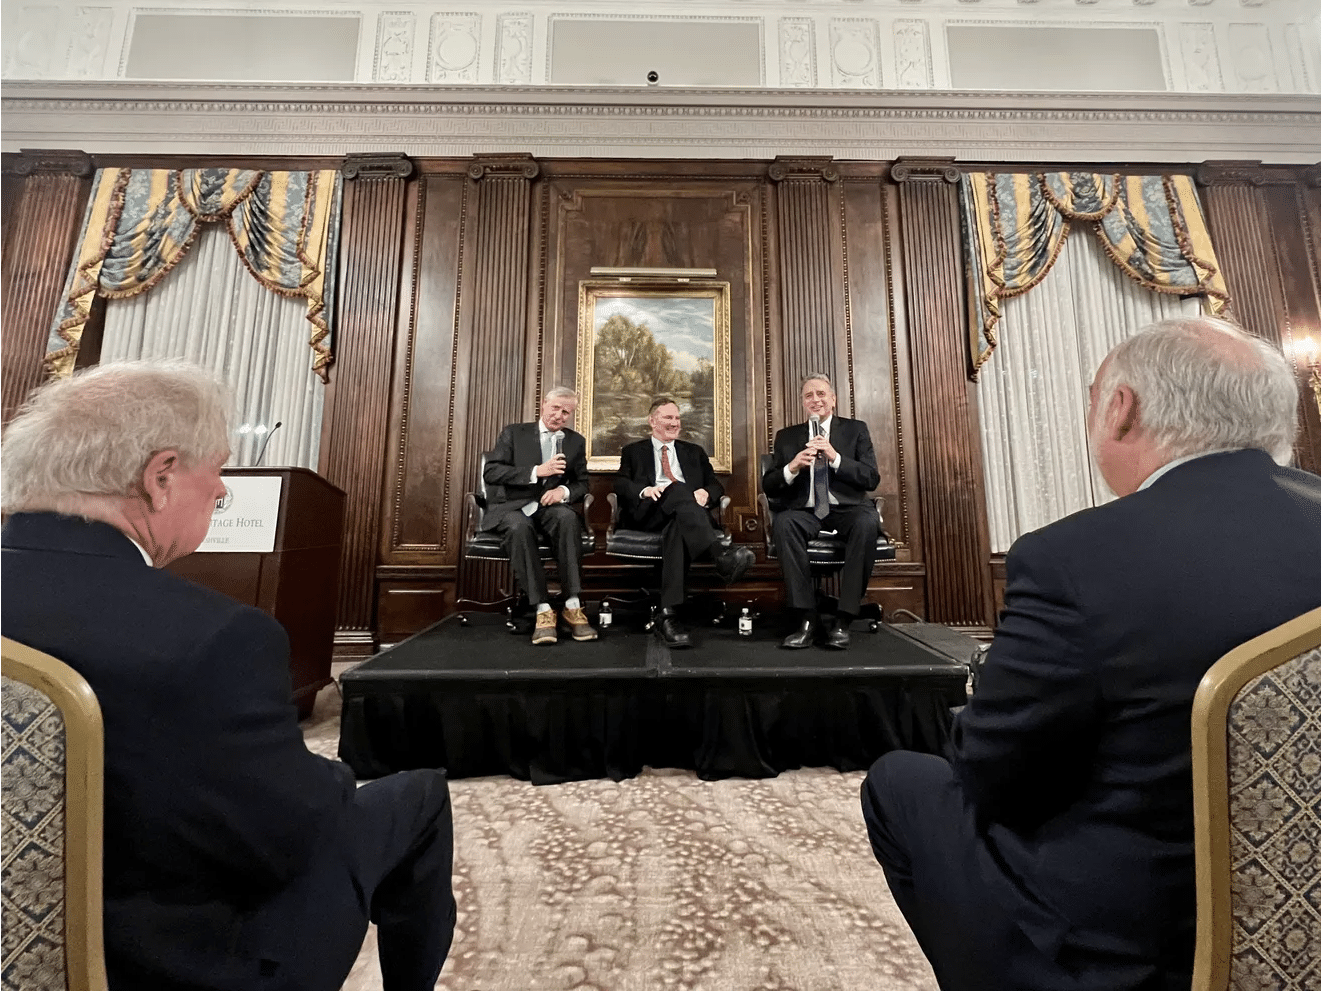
(477, 699)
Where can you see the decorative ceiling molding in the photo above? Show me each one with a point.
(239, 119)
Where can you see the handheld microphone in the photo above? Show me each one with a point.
(263, 447)
(814, 425)
(557, 445)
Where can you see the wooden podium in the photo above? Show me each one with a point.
(296, 582)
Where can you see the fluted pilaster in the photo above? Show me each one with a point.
(372, 241)
(955, 543)
(50, 199)
(810, 280)
(500, 293)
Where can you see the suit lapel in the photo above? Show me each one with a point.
(527, 444)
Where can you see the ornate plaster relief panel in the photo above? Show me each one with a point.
(1259, 46)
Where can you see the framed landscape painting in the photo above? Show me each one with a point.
(641, 340)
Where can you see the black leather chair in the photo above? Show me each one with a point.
(480, 544)
(827, 552)
(646, 549)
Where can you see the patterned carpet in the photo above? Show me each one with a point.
(663, 882)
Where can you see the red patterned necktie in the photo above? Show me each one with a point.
(667, 465)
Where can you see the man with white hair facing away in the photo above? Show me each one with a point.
(234, 857)
(1053, 848)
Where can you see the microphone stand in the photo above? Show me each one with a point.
(262, 449)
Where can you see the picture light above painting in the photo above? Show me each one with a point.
(653, 336)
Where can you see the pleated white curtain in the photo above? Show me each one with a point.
(211, 311)
(1033, 391)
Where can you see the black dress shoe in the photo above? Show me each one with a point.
(838, 637)
(672, 633)
(733, 563)
(802, 638)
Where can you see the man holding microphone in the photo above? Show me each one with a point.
(536, 472)
(823, 469)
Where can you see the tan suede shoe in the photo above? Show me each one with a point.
(545, 628)
(580, 630)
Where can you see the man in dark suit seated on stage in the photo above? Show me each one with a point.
(537, 471)
(823, 469)
(1054, 848)
(234, 857)
(667, 485)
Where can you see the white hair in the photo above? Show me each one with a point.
(817, 376)
(1204, 384)
(561, 392)
(91, 435)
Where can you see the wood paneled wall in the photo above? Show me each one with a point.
(1266, 224)
(459, 298)
(45, 197)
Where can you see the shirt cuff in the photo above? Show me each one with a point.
(534, 475)
(837, 461)
(788, 475)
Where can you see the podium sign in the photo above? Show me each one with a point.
(245, 518)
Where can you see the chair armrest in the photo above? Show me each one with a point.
(766, 523)
(473, 514)
(879, 513)
(614, 515)
(719, 515)
(584, 516)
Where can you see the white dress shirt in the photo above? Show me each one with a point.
(146, 558)
(545, 436)
(659, 479)
(789, 476)
(1177, 462)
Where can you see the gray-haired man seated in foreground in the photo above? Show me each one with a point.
(1054, 848)
(234, 857)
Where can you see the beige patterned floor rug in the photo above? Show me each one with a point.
(665, 882)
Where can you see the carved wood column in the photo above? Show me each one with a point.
(372, 241)
(1244, 243)
(47, 217)
(811, 277)
(950, 487)
(1266, 245)
(498, 303)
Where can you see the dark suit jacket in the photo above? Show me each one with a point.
(1075, 750)
(855, 476)
(637, 472)
(213, 802)
(513, 459)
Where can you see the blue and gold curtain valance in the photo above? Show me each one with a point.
(1014, 225)
(140, 223)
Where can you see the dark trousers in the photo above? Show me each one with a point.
(520, 532)
(924, 836)
(688, 533)
(965, 907)
(857, 525)
(390, 863)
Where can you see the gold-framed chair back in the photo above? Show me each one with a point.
(53, 768)
(1256, 737)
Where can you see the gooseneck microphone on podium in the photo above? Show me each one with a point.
(263, 448)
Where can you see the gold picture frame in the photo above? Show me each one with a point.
(641, 339)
